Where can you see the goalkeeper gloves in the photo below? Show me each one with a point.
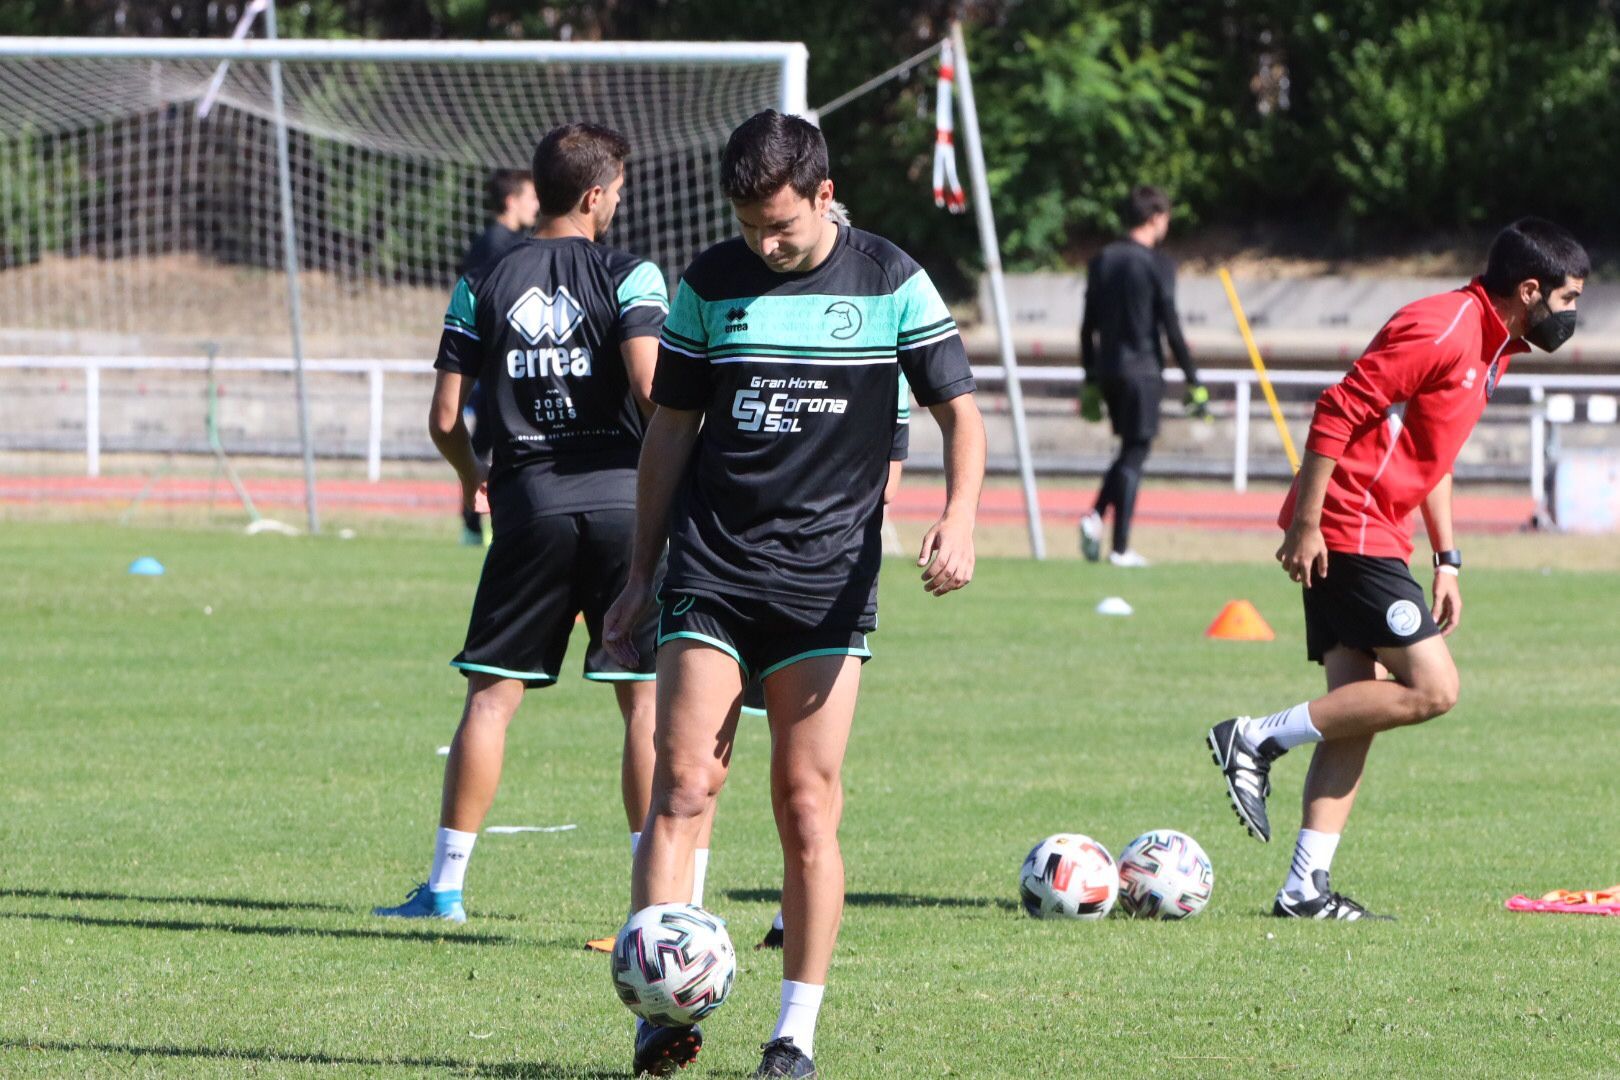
(1196, 402)
(1091, 402)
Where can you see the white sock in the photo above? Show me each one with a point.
(776, 923)
(700, 871)
(1288, 729)
(1312, 851)
(797, 1021)
(635, 842)
(451, 851)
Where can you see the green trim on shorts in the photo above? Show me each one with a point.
(707, 640)
(527, 676)
(618, 676)
(847, 650)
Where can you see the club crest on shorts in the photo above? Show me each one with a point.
(1404, 618)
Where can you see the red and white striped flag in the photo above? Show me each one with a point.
(947, 188)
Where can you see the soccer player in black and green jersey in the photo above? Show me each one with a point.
(563, 333)
(764, 465)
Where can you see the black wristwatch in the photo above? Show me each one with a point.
(1452, 558)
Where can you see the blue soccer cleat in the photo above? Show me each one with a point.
(423, 903)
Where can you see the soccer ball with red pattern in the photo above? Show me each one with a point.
(673, 964)
(1068, 876)
(1164, 874)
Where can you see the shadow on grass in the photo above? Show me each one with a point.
(882, 899)
(511, 1070)
(207, 901)
(239, 902)
(267, 931)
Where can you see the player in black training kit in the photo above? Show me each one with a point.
(563, 333)
(1130, 303)
(513, 208)
(765, 464)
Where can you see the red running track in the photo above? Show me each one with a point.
(1202, 509)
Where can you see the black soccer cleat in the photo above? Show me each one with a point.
(665, 1051)
(772, 940)
(783, 1058)
(1327, 904)
(1248, 774)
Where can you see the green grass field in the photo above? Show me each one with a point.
(198, 811)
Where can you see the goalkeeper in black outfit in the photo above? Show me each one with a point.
(1130, 310)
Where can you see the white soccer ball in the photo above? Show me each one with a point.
(1068, 876)
(1164, 874)
(673, 964)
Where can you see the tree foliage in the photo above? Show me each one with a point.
(1355, 119)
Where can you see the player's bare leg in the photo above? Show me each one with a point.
(1426, 686)
(811, 706)
(776, 934)
(1336, 767)
(638, 703)
(699, 689)
(1423, 671)
(1331, 785)
(471, 776)
(473, 771)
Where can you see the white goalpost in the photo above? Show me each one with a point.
(321, 204)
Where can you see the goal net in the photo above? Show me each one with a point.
(140, 212)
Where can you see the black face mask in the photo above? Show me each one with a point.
(1555, 328)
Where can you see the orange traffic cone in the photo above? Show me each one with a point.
(1240, 620)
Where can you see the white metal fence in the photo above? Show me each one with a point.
(1540, 390)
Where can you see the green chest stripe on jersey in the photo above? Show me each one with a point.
(794, 352)
(802, 324)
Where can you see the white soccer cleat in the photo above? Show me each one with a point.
(1128, 559)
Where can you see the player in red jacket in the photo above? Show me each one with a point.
(1382, 444)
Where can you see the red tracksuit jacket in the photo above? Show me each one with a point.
(1397, 420)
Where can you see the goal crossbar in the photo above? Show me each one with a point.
(791, 55)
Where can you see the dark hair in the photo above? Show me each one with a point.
(1533, 247)
(1143, 204)
(769, 151)
(502, 185)
(571, 160)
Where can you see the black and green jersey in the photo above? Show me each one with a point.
(541, 330)
(797, 377)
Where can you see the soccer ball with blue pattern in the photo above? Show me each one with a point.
(673, 964)
(1164, 874)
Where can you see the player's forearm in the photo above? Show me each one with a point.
(447, 426)
(665, 451)
(891, 486)
(455, 446)
(640, 356)
(1437, 516)
(1314, 474)
(1178, 347)
(963, 429)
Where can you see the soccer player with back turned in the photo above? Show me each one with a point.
(1130, 311)
(513, 208)
(764, 464)
(1382, 444)
(563, 333)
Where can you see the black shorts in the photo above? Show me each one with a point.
(1133, 405)
(763, 637)
(1366, 602)
(537, 578)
